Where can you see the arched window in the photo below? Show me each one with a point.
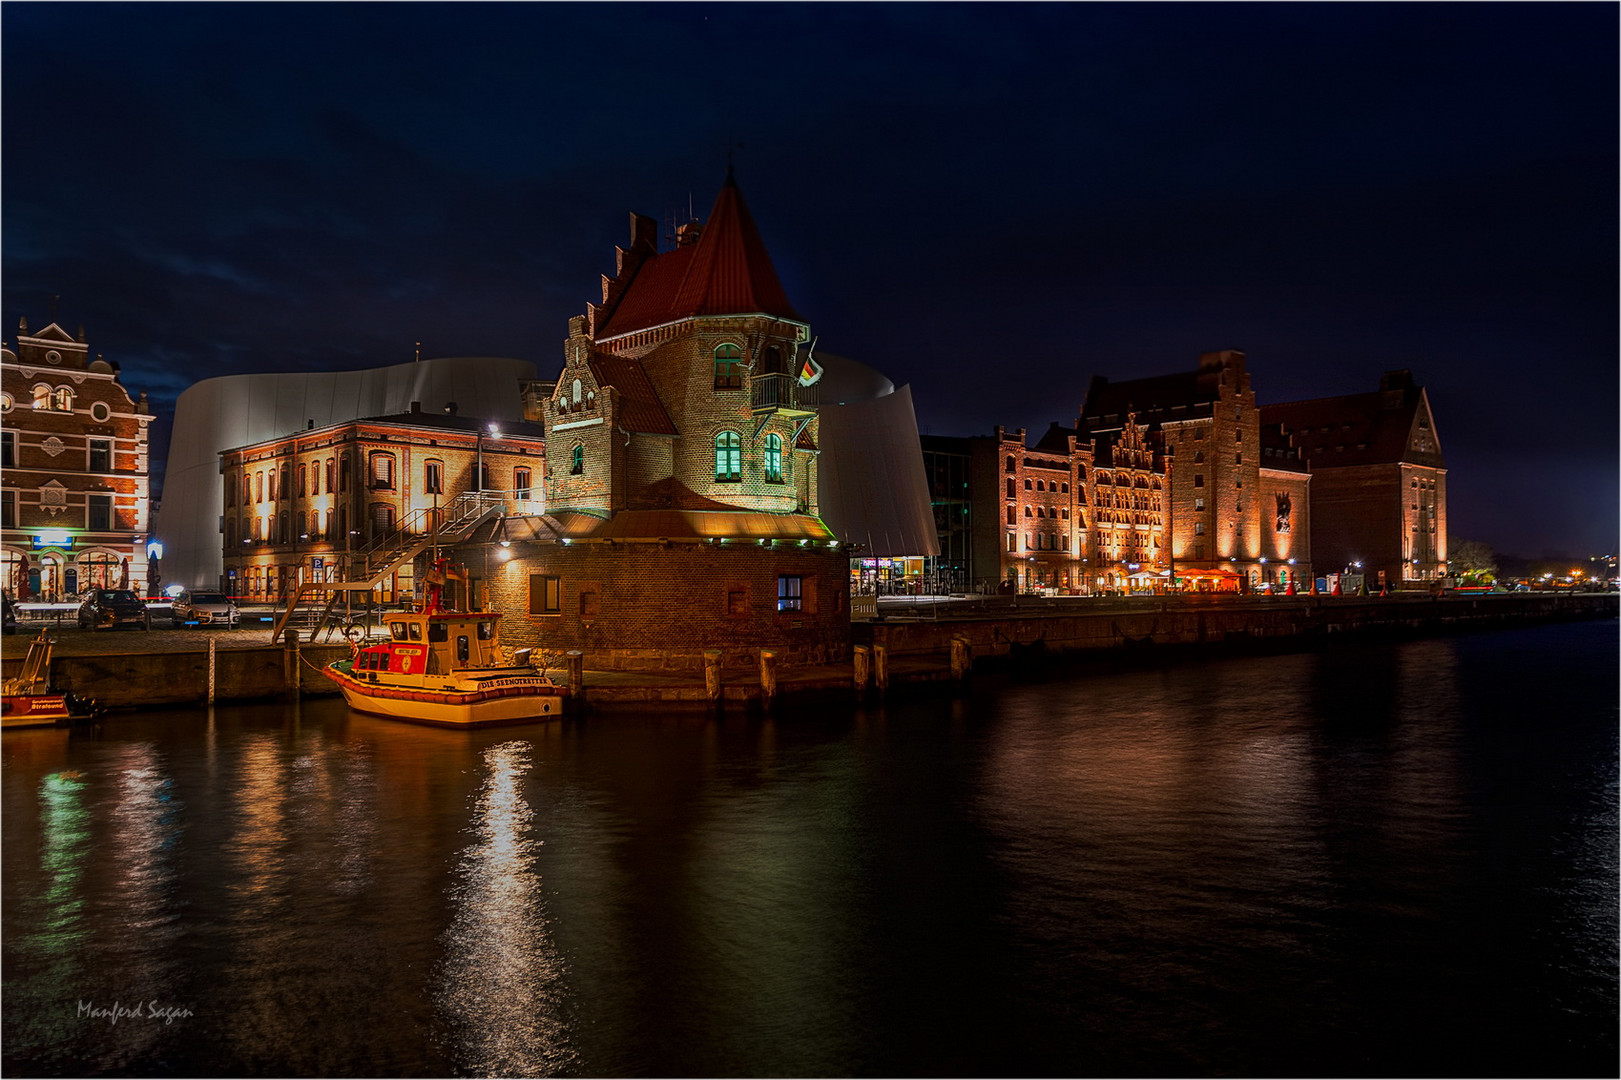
(576, 393)
(1012, 515)
(259, 487)
(303, 481)
(1010, 487)
(62, 399)
(1027, 511)
(433, 477)
(1041, 485)
(42, 400)
(382, 470)
(1010, 467)
(728, 457)
(773, 459)
(771, 364)
(521, 482)
(577, 460)
(728, 367)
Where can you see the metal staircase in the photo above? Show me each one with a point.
(369, 566)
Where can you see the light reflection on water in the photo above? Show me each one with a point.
(502, 984)
(1376, 859)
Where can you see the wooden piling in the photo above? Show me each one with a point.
(291, 677)
(576, 674)
(712, 680)
(862, 662)
(880, 667)
(768, 676)
(962, 659)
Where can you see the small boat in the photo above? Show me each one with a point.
(28, 700)
(446, 667)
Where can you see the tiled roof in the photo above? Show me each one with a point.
(641, 411)
(1354, 429)
(727, 272)
(682, 525)
(1151, 399)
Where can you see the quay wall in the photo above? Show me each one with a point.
(1011, 627)
(918, 644)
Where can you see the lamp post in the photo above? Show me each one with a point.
(495, 435)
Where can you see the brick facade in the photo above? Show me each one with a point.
(75, 496)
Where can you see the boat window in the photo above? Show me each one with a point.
(461, 648)
(416, 631)
(438, 632)
(398, 630)
(486, 630)
(382, 661)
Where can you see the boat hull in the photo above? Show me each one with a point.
(505, 701)
(34, 710)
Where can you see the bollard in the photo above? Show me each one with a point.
(962, 659)
(576, 674)
(768, 676)
(880, 667)
(289, 656)
(863, 668)
(712, 681)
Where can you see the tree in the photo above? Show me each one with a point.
(1472, 559)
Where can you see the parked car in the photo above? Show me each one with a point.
(104, 609)
(202, 608)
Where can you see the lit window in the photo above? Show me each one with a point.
(433, 477)
(382, 470)
(789, 592)
(773, 459)
(521, 483)
(728, 457)
(728, 367)
(577, 461)
(545, 594)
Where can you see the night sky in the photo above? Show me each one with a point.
(991, 203)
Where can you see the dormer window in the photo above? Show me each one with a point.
(728, 367)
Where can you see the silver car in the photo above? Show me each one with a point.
(198, 608)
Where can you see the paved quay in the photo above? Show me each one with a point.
(92, 661)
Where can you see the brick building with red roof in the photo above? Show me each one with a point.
(681, 483)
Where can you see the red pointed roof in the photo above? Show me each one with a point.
(727, 272)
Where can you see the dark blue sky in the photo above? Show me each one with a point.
(992, 203)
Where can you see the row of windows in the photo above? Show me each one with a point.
(1012, 513)
(546, 596)
(98, 512)
(99, 456)
(381, 470)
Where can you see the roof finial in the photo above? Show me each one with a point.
(419, 352)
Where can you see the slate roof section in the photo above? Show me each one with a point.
(640, 409)
(1358, 429)
(1153, 399)
(727, 272)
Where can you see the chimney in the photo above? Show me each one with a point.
(416, 406)
(450, 407)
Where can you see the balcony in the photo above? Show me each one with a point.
(782, 393)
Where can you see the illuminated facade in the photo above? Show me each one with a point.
(75, 493)
(682, 439)
(298, 508)
(1379, 493)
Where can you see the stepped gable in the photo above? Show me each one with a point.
(640, 409)
(727, 271)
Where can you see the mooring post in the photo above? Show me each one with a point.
(863, 668)
(768, 676)
(290, 662)
(576, 674)
(211, 671)
(712, 681)
(962, 659)
(880, 667)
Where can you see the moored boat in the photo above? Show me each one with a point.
(28, 699)
(446, 667)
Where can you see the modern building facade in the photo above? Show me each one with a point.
(1379, 493)
(75, 497)
(300, 508)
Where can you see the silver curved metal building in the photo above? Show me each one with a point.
(233, 410)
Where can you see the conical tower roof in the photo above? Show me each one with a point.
(726, 272)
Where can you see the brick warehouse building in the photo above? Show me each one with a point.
(1379, 495)
(681, 488)
(313, 505)
(75, 499)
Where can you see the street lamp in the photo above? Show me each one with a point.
(495, 435)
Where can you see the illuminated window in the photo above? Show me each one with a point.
(728, 367)
(303, 481)
(521, 483)
(789, 592)
(728, 457)
(577, 461)
(773, 459)
(382, 470)
(433, 477)
(545, 594)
